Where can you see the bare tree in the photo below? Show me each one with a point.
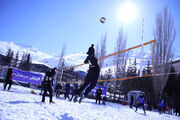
(60, 66)
(97, 51)
(102, 51)
(120, 59)
(164, 34)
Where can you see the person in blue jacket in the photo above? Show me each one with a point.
(161, 105)
(140, 102)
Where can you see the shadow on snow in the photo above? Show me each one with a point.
(65, 117)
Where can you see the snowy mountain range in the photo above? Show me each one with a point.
(39, 57)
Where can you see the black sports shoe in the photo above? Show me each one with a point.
(81, 97)
(51, 102)
(75, 98)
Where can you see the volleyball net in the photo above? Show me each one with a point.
(126, 64)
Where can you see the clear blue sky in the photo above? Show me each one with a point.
(48, 24)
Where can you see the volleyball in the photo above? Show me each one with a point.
(102, 19)
(32, 91)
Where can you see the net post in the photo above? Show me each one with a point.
(154, 42)
(142, 49)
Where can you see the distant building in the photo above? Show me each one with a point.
(135, 95)
(176, 65)
(39, 68)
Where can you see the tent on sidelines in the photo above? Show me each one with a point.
(135, 95)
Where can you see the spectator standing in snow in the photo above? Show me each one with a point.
(75, 90)
(98, 95)
(42, 85)
(140, 102)
(48, 84)
(149, 105)
(67, 89)
(178, 109)
(91, 77)
(161, 106)
(164, 107)
(58, 89)
(104, 100)
(170, 109)
(132, 101)
(8, 79)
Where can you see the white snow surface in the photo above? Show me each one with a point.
(20, 104)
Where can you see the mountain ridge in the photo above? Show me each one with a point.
(39, 57)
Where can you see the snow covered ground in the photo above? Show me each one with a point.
(20, 104)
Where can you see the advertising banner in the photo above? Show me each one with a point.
(97, 87)
(28, 77)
